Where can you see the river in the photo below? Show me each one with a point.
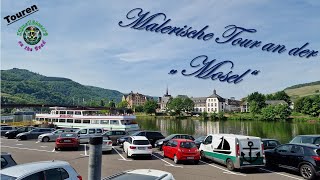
(283, 131)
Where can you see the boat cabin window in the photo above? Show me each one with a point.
(62, 112)
(54, 120)
(99, 131)
(83, 131)
(125, 122)
(62, 120)
(77, 121)
(69, 120)
(77, 112)
(95, 121)
(114, 122)
(86, 121)
(69, 112)
(104, 122)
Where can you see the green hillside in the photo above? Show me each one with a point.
(302, 90)
(23, 86)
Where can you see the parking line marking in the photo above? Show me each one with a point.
(43, 146)
(280, 174)
(53, 150)
(167, 163)
(85, 150)
(37, 141)
(123, 159)
(27, 149)
(225, 171)
(19, 144)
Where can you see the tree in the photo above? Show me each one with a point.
(258, 98)
(188, 105)
(282, 111)
(268, 113)
(175, 106)
(221, 115)
(101, 103)
(122, 104)
(253, 107)
(213, 116)
(111, 104)
(281, 95)
(150, 107)
(138, 108)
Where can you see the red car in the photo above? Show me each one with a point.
(181, 150)
(67, 140)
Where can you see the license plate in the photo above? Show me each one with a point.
(67, 141)
(141, 148)
(190, 157)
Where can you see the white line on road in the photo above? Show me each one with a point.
(167, 163)
(123, 159)
(19, 144)
(43, 146)
(37, 141)
(85, 150)
(53, 150)
(225, 171)
(280, 174)
(27, 149)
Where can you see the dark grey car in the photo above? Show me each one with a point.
(7, 160)
(115, 134)
(33, 134)
(5, 129)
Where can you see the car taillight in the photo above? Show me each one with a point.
(133, 147)
(110, 142)
(317, 158)
(149, 147)
(262, 148)
(237, 150)
(179, 150)
(79, 177)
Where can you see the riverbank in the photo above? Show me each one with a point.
(231, 116)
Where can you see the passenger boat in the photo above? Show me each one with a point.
(79, 118)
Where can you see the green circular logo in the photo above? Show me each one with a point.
(32, 35)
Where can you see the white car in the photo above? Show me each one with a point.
(106, 144)
(49, 170)
(138, 174)
(137, 146)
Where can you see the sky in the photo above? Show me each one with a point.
(86, 44)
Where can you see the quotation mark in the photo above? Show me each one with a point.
(173, 71)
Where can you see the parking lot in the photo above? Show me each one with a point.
(31, 150)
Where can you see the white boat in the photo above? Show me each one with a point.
(74, 118)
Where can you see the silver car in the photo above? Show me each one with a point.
(54, 135)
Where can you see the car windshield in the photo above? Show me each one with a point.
(68, 135)
(6, 177)
(170, 137)
(304, 139)
(141, 142)
(187, 145)
(135, 133)
(200, 138)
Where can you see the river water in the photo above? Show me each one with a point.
(283, 131)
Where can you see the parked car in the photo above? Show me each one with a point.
(307, 139)
(270, 143)
(52, 136)
(106, 144)
(86, 133)
(115, 134)
(138, 174)
(13, 133)
(7, 160)
(234, 151)
(199, 140)
(137, 146)
(67, 140)
(33, 134)
(304, 158)
(152, 136)
(181, 150)
(160, 142)
(5, 129)
(49, 170)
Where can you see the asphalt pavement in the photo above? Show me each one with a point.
(31, 150)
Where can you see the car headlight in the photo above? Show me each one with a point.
(161, 142)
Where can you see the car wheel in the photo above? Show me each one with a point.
(230, 165)
(56, 149)
(76, 148)
(160, 148)
(196, 161)
(45, 139)
(307, 171)
(175, 159)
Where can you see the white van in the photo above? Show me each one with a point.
(85, 133)
(234, 151)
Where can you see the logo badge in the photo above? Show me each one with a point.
(33, 34)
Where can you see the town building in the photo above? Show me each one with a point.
(215, 103)
(135, 99)
(163, 101)
(245, 105)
